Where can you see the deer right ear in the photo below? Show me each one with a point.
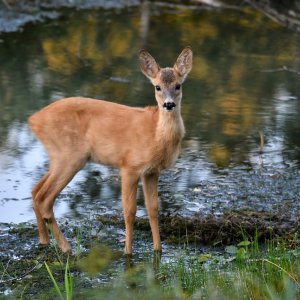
(148, 65)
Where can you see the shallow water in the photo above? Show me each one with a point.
(241, 106)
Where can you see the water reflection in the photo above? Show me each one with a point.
(228, 100)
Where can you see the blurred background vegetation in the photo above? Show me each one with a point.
(93, 52)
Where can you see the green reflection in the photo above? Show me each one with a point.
(227, 99)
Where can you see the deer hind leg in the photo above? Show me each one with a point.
(43, 232)
(151, 199)
(129, 189)
(45, 193)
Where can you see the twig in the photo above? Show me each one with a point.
(198, 6)
(288, 21)
(262, 142)
(218, 4)
(282, 69)
(25, 274)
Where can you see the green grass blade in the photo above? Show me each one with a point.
(54, 282)
(67, 279)
(68, 282)
(71, 290)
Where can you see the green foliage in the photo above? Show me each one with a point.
(99, 258)
(68, 281)
(247, 270)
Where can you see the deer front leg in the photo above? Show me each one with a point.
(129, 188)
(151, 199)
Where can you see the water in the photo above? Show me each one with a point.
(241, 106)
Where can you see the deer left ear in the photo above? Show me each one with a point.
(184, 62)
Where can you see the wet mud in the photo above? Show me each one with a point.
(98, 246)
(222, 208)
(229, 211)
(14, 15)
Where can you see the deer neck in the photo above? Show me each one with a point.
(170, 128)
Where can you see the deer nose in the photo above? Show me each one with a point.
(169, 105)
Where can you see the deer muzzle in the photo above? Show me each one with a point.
(169, 105)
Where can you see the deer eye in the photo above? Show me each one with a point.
(158, 88)
(177, 87)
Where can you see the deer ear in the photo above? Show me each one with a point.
(148, 65)
(184, 62)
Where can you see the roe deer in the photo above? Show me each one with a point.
(139, 141)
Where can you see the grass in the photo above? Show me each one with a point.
(68, 281)
(246, 271)
(243, 271)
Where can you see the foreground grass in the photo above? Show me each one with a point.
(244, 271)
(244, 274)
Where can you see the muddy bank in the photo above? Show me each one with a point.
(22, 260)
(14, 15)
(230, 228)
(217, 207)
(229, 209)
(98, 247)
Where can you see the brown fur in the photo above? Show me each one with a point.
(167, 76)
(139, 141)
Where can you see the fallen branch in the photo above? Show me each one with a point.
(282, 69)
(198, 5)
(292, 22)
